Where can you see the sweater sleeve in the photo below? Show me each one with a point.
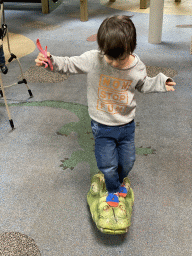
(75, 65)
(152, 84)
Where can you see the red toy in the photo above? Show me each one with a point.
(45, 54)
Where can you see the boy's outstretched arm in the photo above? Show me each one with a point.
(169, 85)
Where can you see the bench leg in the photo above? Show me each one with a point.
(144, 4)
(83, 10)
(5, 100)
(45, 6)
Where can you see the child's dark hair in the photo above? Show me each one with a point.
(117, 36)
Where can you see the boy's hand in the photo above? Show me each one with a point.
(41, 59)
(169, 85)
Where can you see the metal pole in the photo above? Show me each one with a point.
(155, 21)
(5, 100)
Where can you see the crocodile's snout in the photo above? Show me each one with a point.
(109, 220)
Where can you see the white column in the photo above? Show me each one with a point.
(155, 21)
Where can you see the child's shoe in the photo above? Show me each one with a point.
(123, 190)
(113, 199)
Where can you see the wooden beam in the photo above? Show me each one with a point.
(45, 6)
(83, 10)
(144, 4)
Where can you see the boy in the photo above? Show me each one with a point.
(113, 75)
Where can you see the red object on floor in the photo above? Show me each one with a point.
(92, 38)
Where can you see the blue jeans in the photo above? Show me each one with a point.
(114, 152)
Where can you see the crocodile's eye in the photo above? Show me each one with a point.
(122, 207)
(94, 188)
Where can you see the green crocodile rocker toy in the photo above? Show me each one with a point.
(109, 220)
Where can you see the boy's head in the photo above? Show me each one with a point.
(116, 37)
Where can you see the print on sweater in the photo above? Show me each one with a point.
(113, 94)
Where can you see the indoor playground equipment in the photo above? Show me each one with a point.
(108, 219)
(4, 66)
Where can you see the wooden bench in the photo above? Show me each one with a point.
(144, 4)
(84, 13)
